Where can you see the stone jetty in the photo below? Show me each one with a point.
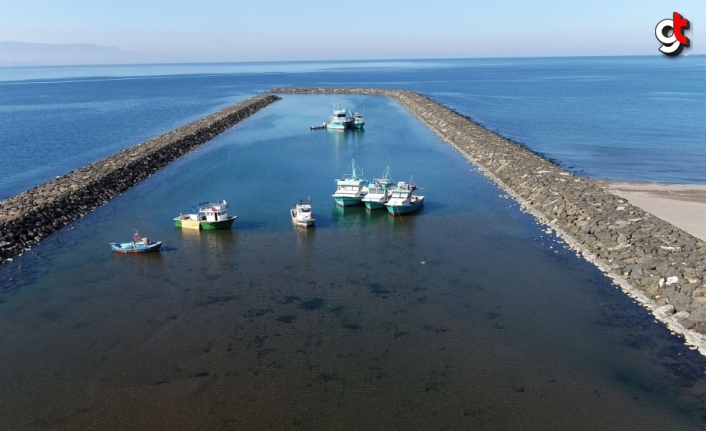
(656, 263)
(28, 217)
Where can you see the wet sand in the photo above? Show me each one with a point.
(682, 205)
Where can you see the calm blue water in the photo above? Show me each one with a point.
(623, 118)
(466, 315)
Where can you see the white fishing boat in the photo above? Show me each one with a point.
(339, 120)
(301, 214)
(352, 188)
(403, 200)
(379, 191)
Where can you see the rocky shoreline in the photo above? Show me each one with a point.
(656, 263)
(28, 217)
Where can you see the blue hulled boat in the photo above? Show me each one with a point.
(138, 245)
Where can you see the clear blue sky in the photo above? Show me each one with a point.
(221, 30)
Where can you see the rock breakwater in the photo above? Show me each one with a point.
(28, 217)
(654, 262)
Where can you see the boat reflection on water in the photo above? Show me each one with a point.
(359, 216)
(305, 245)
(218, 240)
(349, 216)
(351, 136)
(374, 216)
(146, 264)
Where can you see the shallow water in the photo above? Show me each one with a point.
(465, 315)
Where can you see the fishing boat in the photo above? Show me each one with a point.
(352, 188)
(340, 120)
(379, 191)
(403, 200)
(301, 214)
(137, 245)
(206, 216)
(357, 121)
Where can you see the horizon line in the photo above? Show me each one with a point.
(368, 60)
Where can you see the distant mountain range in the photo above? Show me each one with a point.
(46, 54)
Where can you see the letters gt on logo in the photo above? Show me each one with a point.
(670, 32)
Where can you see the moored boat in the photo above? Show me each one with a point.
(403, 200)
(301, 214)
(379, 191)
(340, 120)
(206, 216)
(137, 245)
(352, 188)
(357, 121)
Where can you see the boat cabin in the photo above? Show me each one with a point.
(213, 213)
(376, 190)
(402, 192)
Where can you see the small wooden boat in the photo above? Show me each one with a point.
(138, 245)
(301, 214)
(206, 216)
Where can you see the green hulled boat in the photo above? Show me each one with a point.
(206, 216)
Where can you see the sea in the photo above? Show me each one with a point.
(468, 314)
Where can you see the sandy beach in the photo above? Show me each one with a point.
(682, 205)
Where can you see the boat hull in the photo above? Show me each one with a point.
(347, 201)
(135, 247)
(396, 210)
(336, 126)
(301, 222)
(205, 225)
(187, 224)
(374, 205)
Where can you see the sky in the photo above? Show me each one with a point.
(278, 30)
